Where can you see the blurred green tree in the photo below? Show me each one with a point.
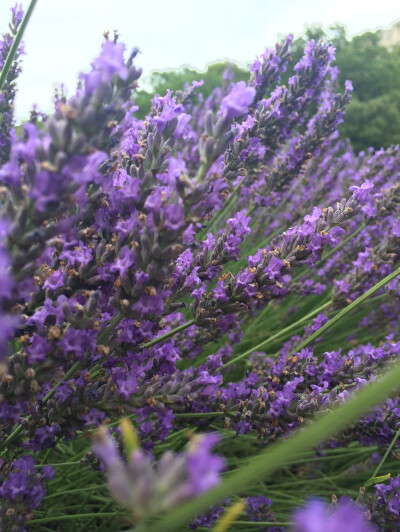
(373, 117)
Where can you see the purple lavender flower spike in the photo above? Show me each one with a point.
(7, 94)
(236, 103)
(146, 488)
(21, 491)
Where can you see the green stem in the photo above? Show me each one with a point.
(255, 321)
(283, 337)
(59, 464)
(348, 309)
(263, 523)
(168, 334)
(75, 516)
(378, 468)
(276, 457)
(228, 203)
(16, 43)
(277, 335)
(200, 414)
(203, 169)
(69, 492)
(219, 214)
(105, 334)
(105, 507)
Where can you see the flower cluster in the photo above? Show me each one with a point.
(7, 91)
(183, 270)
(22, 488)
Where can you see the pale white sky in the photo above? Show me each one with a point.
(65, 35)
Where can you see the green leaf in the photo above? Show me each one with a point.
(376, 480)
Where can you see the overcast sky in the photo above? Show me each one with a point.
(64, 36)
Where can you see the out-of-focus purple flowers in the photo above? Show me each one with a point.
(317, 516)
(110, 62)
(145, 487)
(237, 102)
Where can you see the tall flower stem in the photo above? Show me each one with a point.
(274, 337)
(16, 43)
(222, 212)
(378, 467)
(348, 309)
(167, 335)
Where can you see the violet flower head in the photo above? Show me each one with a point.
(387, 499)
(237, 102)
(17, 14)
(147, 488)
(258, 508)
(22, 488)
(105, 447)
(317, 516)
(361, 193)
(111, 61)
(203, 467)
(348, 85)
(207, 519)
(8, 92)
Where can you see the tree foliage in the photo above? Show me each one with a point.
(373, 117)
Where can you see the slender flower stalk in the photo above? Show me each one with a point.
(16, 42)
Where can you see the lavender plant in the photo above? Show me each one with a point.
(223, 274)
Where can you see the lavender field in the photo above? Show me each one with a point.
(199, 309)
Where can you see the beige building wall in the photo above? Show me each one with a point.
(390, 37)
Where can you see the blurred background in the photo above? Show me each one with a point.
(185, 40)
